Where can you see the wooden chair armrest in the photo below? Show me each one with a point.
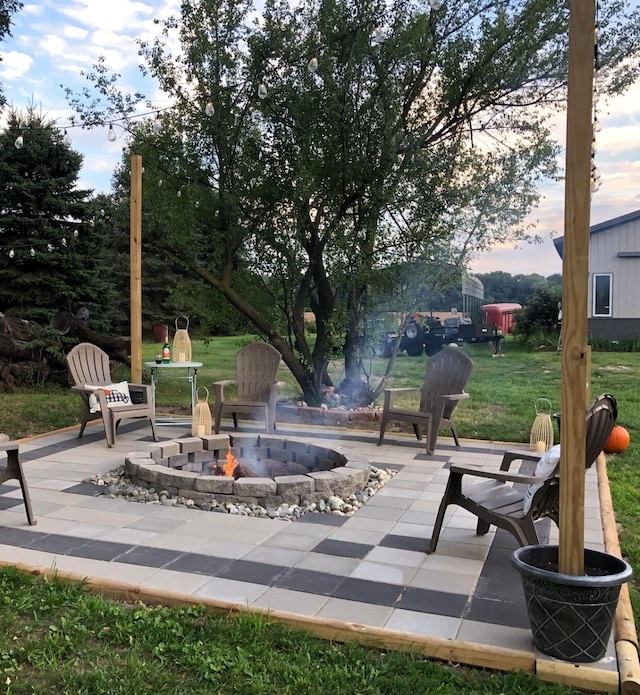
(494, 475)
(518, 455)
(219, 387)
(389, 394)
(82, 389)
(8, 446)
(455, 396)
(402, 389)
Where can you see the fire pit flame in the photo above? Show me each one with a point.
(229, 467)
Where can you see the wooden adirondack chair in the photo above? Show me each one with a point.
(256, 373)
(14, 471)
(499, 502)
(89, 366)
(446, 375)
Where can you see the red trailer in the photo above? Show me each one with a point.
(500, 315)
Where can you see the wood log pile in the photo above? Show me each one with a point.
(31, 354)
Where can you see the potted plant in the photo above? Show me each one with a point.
(571, 615)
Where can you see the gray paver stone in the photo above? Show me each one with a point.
(255, 487)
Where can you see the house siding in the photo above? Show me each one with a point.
(614, 329)
(604, 250)
(614, 250)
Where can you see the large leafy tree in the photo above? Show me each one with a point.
(52, 255)
(338, 139)
(7, 8)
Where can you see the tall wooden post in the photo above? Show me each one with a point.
(135, 269)
(575, 278)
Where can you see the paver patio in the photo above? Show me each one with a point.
(368, 571)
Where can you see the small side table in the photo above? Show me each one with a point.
(172, 370)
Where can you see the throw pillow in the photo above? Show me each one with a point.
(115, 395)
(545, 468)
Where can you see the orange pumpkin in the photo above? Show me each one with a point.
(618, 440)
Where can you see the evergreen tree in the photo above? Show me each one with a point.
(51, 254)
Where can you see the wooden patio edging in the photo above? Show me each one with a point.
(626, 680)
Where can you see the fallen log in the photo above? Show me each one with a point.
(31, 354)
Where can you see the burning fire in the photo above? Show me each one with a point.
(230, 465)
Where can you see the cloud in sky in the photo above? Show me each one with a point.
(55, 40)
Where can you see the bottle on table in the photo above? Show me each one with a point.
(166, 350)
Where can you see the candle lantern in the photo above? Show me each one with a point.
(201, 420)
(181, 341)
(541, 437)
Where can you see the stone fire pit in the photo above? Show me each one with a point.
(280, 470)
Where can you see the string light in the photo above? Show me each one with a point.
(209, 110)
(66, 139)
(32, 252)
(262, 91)
(111, 134)
(19, 142)
(157, 124)
(313, 65)
(595, 174)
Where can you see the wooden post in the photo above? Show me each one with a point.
(575, 278)
(135, 268)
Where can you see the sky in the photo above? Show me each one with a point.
(54, 41)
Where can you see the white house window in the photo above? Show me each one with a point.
(602, 294)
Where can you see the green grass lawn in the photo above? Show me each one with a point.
(58, 640)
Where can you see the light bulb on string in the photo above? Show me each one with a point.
(208, 109)
(111, 134)
(32, 252)
(179, 194)
(75, 233)
(12, 253)
(597, 127)
(49, 247)
(313, 65)
(66, 139)
(262, 91)
(379, 35)
(197, 203)
(157, 124)
(64, 242)
(19, 142)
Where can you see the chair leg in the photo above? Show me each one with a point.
(217, 414)
(14, 471)
(383, 427)
(482, 527)
(455, 436)
(432, 435)
(437, 527)
(109, 429)
(235, 420)
(416, 429)
(153, 428)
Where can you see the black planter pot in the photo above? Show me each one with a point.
(570, 616)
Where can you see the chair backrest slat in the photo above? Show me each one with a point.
(88, 364)
(446, 372)
(256, 370)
